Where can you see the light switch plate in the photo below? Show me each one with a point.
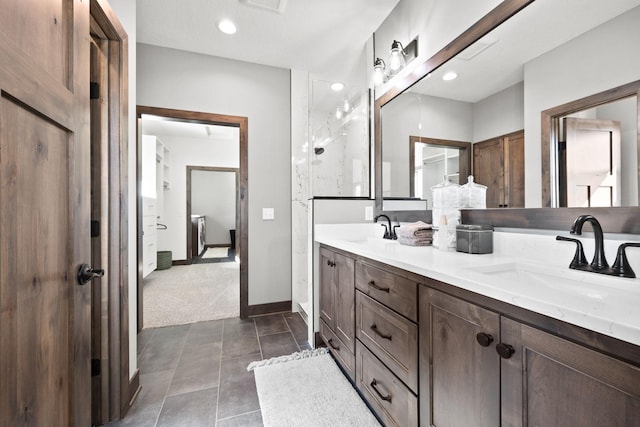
(368, 213)
(268, 214)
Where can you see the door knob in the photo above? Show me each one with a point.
(87, 274)
(484, 339)
(505, 350)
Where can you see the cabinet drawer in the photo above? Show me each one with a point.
(389, 336)
(338, 349)
(394, 403)
(396, 292)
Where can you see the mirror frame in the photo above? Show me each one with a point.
(613, 220)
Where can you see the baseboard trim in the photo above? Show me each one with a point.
(269, 308)
(134, 391)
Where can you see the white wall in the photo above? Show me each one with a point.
(213, 194)
(575, 76)
(126, 12)
(499, 114)
(183, 80)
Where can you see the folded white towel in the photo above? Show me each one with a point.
(416, 229)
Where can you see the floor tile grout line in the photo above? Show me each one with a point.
(258, 338)
(175, 368)
(291, 332)
(220, 371)
(240, 415)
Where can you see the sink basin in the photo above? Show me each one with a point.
(375, 242)
(536, 280)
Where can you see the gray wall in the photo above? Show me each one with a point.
(213, 194)
(183, 80)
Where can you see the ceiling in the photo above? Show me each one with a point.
(152, 125)
(539, 28)
(324, 37)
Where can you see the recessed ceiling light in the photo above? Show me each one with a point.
(337, 87)
(227, 27)
(450, 75)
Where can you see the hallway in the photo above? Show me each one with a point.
(195, 375)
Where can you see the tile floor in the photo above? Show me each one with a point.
(196, 375)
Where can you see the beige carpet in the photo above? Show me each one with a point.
(191, 293)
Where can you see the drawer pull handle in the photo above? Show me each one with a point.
(374, 383)
(374, 286)
(374, 328)
(332, 345)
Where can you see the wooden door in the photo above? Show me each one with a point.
(459, 377)
(592, 163)
(514, 170)
(345, 300)
(327, 288)
(549, 381)
(488, 161)
(44, 223)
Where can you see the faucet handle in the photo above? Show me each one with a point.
(579, 261)
(386, 232)
(394, 235)
(621, 265)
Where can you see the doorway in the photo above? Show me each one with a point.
(212, 213)
(241, 192)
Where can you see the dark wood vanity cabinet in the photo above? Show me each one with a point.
(427, 353)
(459, 367)
(550, 381)
(337, 315)
(483, 369)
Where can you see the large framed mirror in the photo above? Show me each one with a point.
(526, 67)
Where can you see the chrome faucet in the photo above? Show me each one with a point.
(599, 262)
(389, 231)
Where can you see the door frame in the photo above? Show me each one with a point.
(119, 385)
(242, 192)
(190, 169)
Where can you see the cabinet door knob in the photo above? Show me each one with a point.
(484, 339)
(505, 350)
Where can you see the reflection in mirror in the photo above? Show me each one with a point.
(596, 149)
(508, 78)
(432, 160)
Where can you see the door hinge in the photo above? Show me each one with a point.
(94, 92)
(95, 228)
(95, 367)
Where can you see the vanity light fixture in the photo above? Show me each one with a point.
(227, 26)
(396, 61)
(399, 57)
(450, 75)
(337, 86)
(379, 67)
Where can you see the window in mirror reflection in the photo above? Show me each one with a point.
(596, 155)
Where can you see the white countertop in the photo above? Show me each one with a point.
(526, 270)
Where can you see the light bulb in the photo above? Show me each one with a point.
(378, 72)
(396, 61)
(227, 27)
